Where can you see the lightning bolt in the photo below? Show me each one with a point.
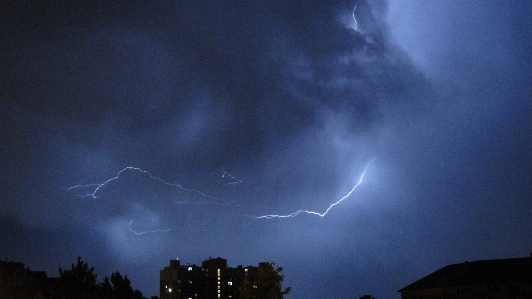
(147, 231)
(235, 180)
(354, 17)
(97, 187)
(328, 209)
(226, 175)
(204, 202)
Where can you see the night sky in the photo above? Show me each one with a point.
(226, 111)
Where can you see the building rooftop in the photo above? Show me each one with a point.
(485, 272)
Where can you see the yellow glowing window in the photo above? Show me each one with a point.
(230, 283)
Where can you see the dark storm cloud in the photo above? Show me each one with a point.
(290, 100)
(242, 64)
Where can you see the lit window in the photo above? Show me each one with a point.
(246, 270)
(218, 291)
(218, 287)
(254, 286)
(170, 290)
(230, 283)
(189, 268)
(218, 270)
(190, 281)
(218, 283)
(229, 296)
(218, 295)
(218, 277)
(166, 287)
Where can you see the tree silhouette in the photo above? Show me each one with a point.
(266, 285)
(106, 289)
(78, 282)
(122, 288)
(366, 297)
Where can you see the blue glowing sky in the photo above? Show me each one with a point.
(234, 110)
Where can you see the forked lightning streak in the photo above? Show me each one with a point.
(97, 187)
(328, 209)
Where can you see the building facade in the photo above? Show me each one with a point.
(213, 280)
(487, 279)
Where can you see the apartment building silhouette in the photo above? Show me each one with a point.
(213, 280)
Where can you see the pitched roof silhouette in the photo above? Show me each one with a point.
(485, 272)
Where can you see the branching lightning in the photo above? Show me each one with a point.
(328, 209)
(93, 190)
(97, 187)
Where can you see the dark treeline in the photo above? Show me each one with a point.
(80, 282)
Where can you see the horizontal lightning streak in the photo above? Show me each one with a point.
(95, 188)
(204, 202)
(99, 186)
(235, 181)
(148, 231)
(328, 209)
(225, 174)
